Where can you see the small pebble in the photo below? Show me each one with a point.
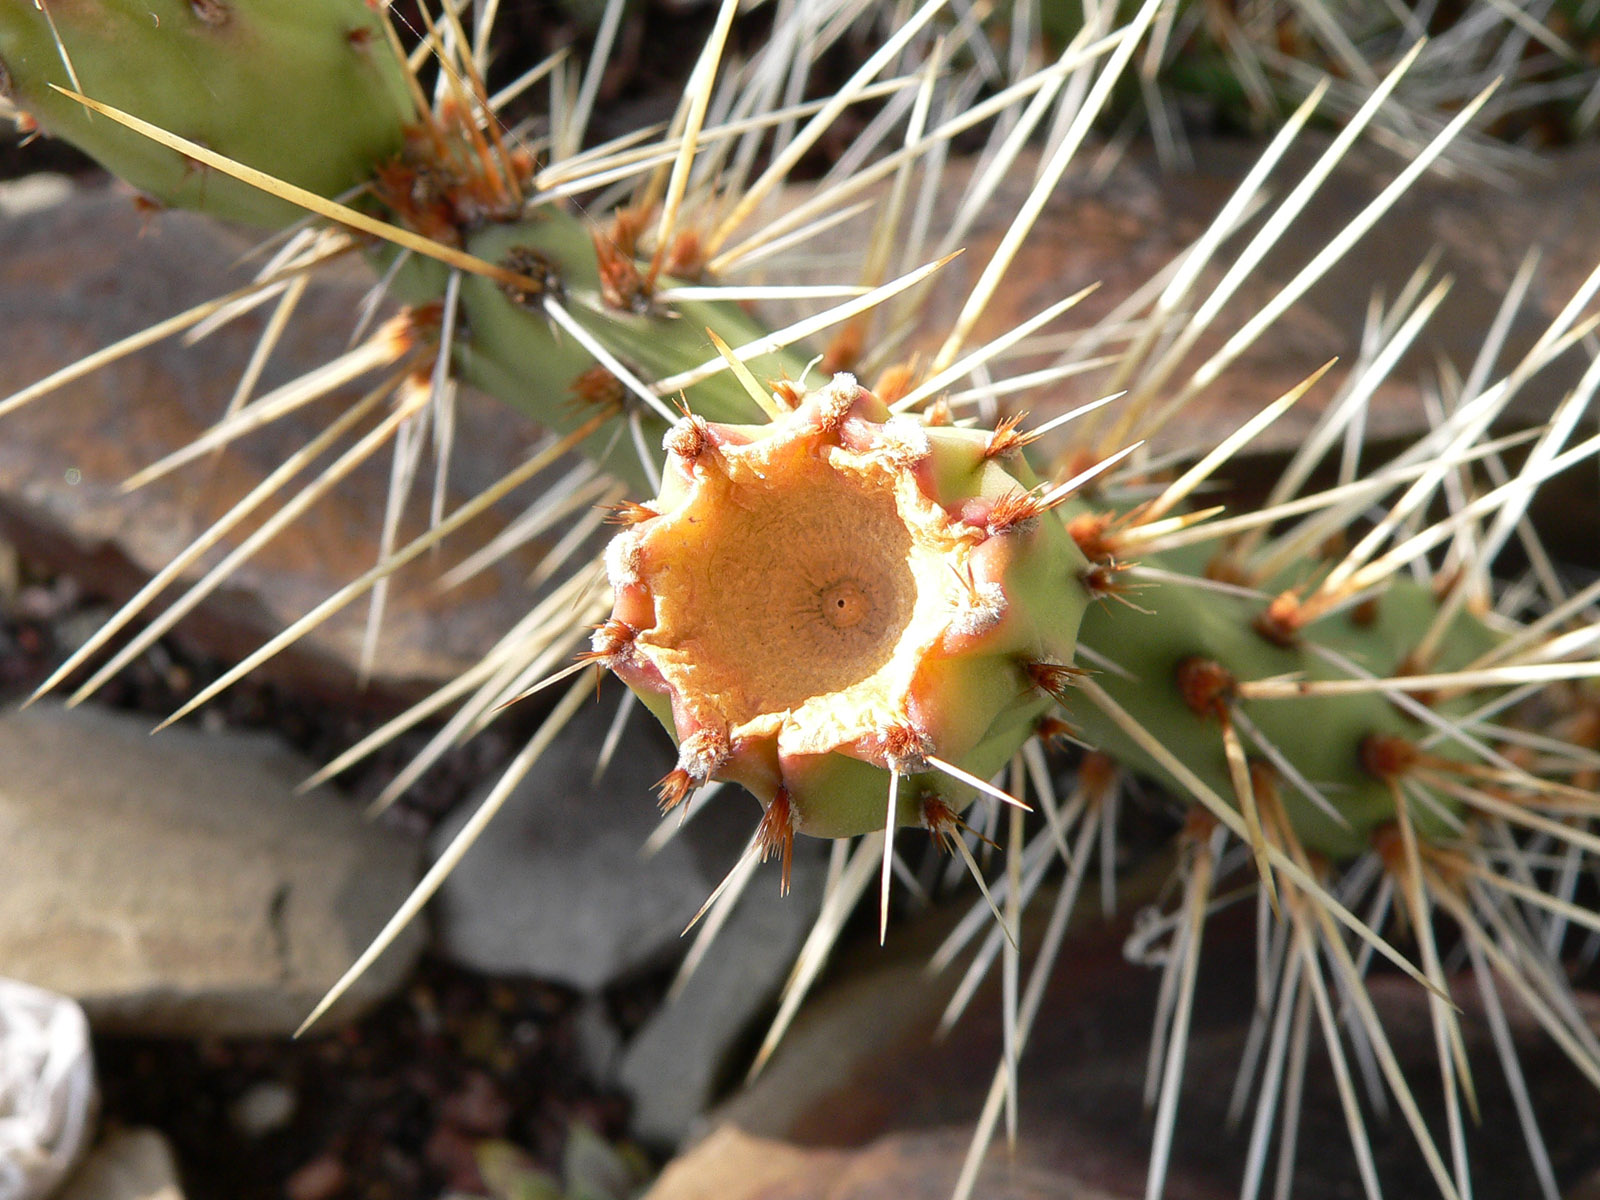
(319, 1179)
(477, 1107)
(454, 1155)
(264, 1108)
(10, 573)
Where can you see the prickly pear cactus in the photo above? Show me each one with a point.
(838, 597)
(862, 615)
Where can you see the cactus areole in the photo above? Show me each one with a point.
(812, 604)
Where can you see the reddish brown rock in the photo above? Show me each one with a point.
(730, 1165)
(1119, 229)
(862, 1100)
(79, 271)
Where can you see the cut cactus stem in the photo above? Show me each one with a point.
(824, 602)
(814, 605)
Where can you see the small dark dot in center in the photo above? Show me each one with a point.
(845, 604)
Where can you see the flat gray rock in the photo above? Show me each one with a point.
(558, 886)
(174, 884)
(674, 1065)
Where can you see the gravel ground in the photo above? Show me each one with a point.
(394, 1106)
(399, 1104)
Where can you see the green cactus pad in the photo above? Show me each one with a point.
(308, 91)
(512, 349)
(1322, 739)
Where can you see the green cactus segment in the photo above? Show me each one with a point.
(310, 93)
(816, 602)
(819, 601)
(1321, 737)
(512, 349)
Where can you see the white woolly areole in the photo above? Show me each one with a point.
(910, 757)
(906, 440)
(622, 561)
(702, 753)
(683, 438)
(985, 607)
(838, 397)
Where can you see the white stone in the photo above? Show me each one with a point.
(263, 1108)
(46, 1089)
(18, 197)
